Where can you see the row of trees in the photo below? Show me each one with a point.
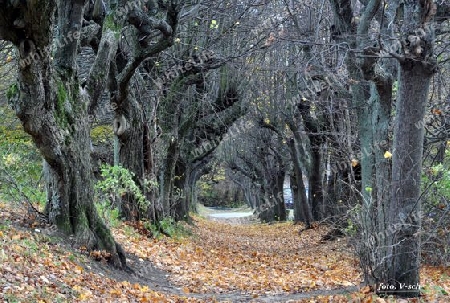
(81, 60)
(269, 89)
(344, 105)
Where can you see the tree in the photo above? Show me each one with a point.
(152, 30)
(255, 154)
(417, 66)
(53, 107)
(391, 255)
(372, 97)
(187, 96)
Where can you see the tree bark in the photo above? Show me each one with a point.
(302, 210)
(131, 154)
(53, 109)
(281, 214)
(417, 66)
(405, 206)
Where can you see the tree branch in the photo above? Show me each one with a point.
(145, 25)
(98, 75)
(69, 24)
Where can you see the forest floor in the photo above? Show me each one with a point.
(221, 261)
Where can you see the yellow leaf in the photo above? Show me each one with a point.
(354, 162)
(186, 290)
(1, 234)
(83, 296)
(77, 288)
(115, 292)
(78, 269)
(387, 155)
(9, 59)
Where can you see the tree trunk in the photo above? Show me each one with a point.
(314, 168)
(70, 204)
(405, 207)
(192, 172)
(129, 126)
(280, 214)
(302, 210)
(168, 176)
(53, 109)
(417, 66)
(62, 136)
(382, 93)
(296, 200)
(315, 180)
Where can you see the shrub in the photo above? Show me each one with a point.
(20, 168)
(118, 181)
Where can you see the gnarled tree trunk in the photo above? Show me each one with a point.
(53, 109)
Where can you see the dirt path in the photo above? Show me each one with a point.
(242, 215)
(145, 273)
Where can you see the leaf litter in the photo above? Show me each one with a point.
(255, 262)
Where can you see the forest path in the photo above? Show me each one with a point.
(240, 215)
(219, 262)
(232, 258)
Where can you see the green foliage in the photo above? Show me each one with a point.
(354, 220)
(351, 229)
(214, 24)
(118, 180)
(167, 227)
(206, 195)
(111, 24)
(214, 190)
(102, 134)
(60, 106)
(12, 92)
(108, 212)
(395, 87)
(20, 168)
(434, 289)
(442, 184)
